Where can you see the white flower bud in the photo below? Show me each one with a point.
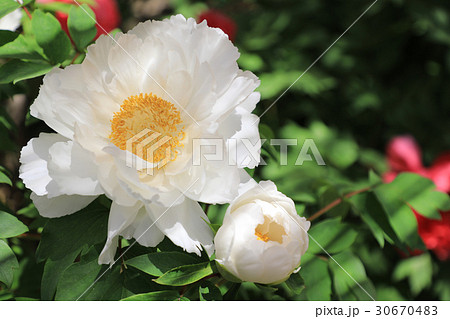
(262, 238)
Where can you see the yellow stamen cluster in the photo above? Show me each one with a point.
(149, 127)
(270, 230)
(265, 238)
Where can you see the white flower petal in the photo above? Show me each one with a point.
(62, 100)
(72, 170)
(120, 217)
(34, 158)
(60, 205)
(185, 225)
(144, 230)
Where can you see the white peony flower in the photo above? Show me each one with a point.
(11, 21)
(175, 78)
(262, 238)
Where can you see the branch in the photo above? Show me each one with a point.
(337, 202)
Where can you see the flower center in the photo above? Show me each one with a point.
(149, 127)
(270, 230)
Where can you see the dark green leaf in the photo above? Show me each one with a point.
(53, 270)
(49, 35)
(7, 36)
(64, 235)
(371, 211)
(10, 226)
(156, 264)
(81, 24)
(15, 70)
(8, 263)
(77, 281)
(296, 283)
(164, 295)
(185, 275)
(208, 291)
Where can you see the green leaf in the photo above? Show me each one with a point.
(22, 48)
(55, 6)
(10, 226)
(53, 270)
(49, 35)
(4, 179)
(351, 284)
(209, 292)
(373, 214)
(8, 6)
(77, 281)
(164, 295)
(418, 270)
(69, 234)
(333, 235)
(7, 36)
(317, 279)
(417, 191)
(8, 264)
(156, 264)
(15, 70)
(296, 283)
(329, 194)
(81, 25)
(185, 275)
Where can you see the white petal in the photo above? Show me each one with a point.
(120, 217)
(62, 101)
(185, 225)
(144, 230)
(60, 205)
(72, 170)
(34, 157)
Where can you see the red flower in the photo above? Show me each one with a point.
(217, 19)
(404, 155)
(435, 233)
(106, 12)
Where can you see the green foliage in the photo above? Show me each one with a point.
(7, 6)
(15, 70)
(350, 279)
(185, 275)
(10, 226)
(8, 264)
(50, 37)
(331, 235)
(72, 233)
(164, 295)
(406, 191)
(157, 264)
(418, 270)
(81, 24)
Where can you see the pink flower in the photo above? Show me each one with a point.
(404, 155)
(217, 19)
(106, 12)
